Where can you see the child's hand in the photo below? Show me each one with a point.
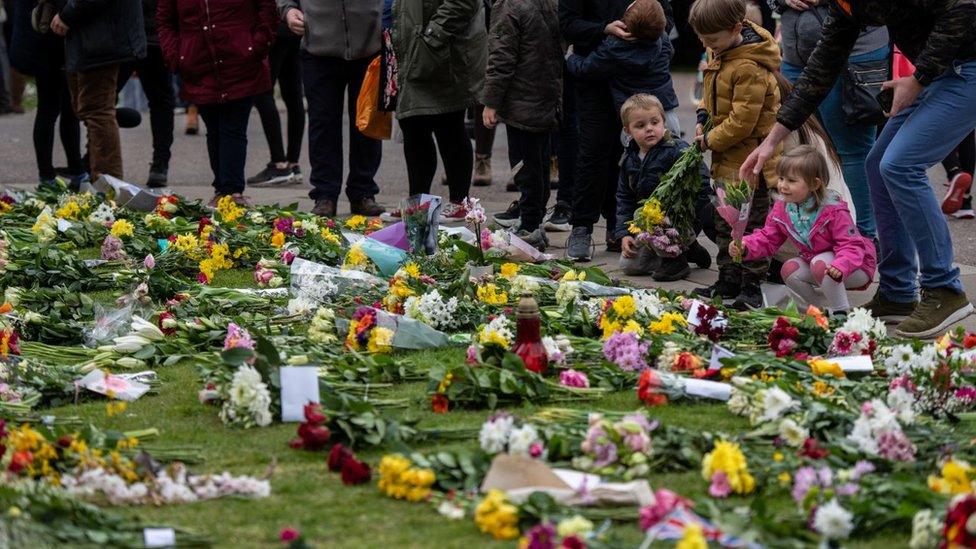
(834, 272)
(700, 136)
(628, 247)
(619, 29)
(490, 117)
(734, 249)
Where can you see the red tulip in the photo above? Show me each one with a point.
(20, 460)
(439, 403)
(313, 414)
(314, 437)
(338, 456)
(355, 472)
(65, 440)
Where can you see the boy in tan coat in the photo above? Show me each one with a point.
(740, 98)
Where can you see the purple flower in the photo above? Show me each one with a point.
(573, 378)
(112, 249)
(284, 225)
(626, 351)
(825, 477)
(541, 536)
(848, 489)
(237, 337)
(805, 478)
(472, 356)
(861, 468)
(606, 454)
(149, 262)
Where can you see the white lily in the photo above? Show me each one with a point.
(129, 343)
(146, 329)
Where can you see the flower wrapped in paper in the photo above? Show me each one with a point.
(733, 203)
(314, 283)
(377, 331)
(421, 216)
(503, 244)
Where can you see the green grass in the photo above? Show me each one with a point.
(306, 496)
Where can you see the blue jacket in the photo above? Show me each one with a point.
(640, 66)
(639, 178)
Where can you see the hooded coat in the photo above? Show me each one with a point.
(741, 96)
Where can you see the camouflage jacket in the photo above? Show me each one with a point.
(931, 33)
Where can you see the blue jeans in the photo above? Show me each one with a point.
(851, 141)
(911, 227)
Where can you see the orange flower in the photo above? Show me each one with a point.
(818, 315)
(6, 308)
(647, 389)
(439, 403)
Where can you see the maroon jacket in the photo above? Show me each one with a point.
(219, 47)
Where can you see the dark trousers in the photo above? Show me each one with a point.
(568, 142)
(53, 102)
(227, 142)
(421, 154)
(484, 138)
(599, 152)
(327, 79)
(532, 178)
(157, 84)
(286, 70)
(93, 98)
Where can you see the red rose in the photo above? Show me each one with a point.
(439, 403)
(162, 322)
(811, 449)
(969, 341)
(338, 456)
(314, 437)
(20, 460)
(64, 441)
(288, 535)
(355, 472)
(647, 389)
(313, 414)
(572, 542)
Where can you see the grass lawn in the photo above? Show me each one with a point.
(306, 496)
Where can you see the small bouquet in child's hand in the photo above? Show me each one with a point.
(734, 204)
(653, 229)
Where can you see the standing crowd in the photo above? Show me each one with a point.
(832, 116)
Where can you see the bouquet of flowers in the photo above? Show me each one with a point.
(366, 334)
(734, 203)
(504, 433)
(619, 448)
(654, 229)
(421, 214)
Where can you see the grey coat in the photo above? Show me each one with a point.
(346, 29)
(441, 51)
(524, 80)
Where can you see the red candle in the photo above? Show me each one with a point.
(528, 336)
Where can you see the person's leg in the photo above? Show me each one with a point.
(834, 291)
(923, 135)
(233, 116)
(959, 178)
(673, 123)
(456, 153)
(69, 128)
(155, 80)
(568, 143)
(419, 152)
(967, 162)
(530, 148)
(593, 165)
(271, 124)
(95, 105)
(211, 120)
(290, 85)
(324, 89)
(754, 272)
(365, 153)
(48, 84)
(798, 277)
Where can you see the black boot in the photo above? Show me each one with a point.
(723, 289)
(672, 269)
(698, 255)
(749, 298)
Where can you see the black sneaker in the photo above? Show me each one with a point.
(558, 221)
(537, 238)
(511, 187)
(579, 244)
(296, 173)
(510, 217)
(749, 298)
(671, 269)
(271, 175)
(722, 289)
(698, 255)
(158, 176)
(614, 245)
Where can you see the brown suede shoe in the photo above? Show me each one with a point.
(367, 207)
(324, 208)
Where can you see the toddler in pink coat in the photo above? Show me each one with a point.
(834, 257)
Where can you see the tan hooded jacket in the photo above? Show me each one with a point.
(742, 97)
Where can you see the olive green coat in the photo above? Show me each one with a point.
(441, 50)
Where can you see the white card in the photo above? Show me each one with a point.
(854, 364)
(695, 311)
(718, 353)
(159, 537)
(120, 386)
(299, 385)
(708, 389)
(64, 225)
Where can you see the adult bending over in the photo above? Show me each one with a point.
(930, 114)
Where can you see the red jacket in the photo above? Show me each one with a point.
(219, 47)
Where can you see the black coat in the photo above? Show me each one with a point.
(524, 78)
(33, 53)
(102, 32)
(641, 66)
(639, 178)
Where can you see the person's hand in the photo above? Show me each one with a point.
(834, 272)
(295, 20)
(619, 29)
(628, 247)
(58, 27)
(734, 249)
(700, 136)
(490, 117)
(906, 92)
(802, 5)
(753, 165)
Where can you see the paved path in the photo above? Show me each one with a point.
(190, 176)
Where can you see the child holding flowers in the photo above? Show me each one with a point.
(649, 155)
(834, 256)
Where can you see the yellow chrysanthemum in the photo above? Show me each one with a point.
(692, 538)
(228, 210)
(356, 222)
(356, 257)
(277, 239)
(380, 340)
(624, 306)
(489, 294)
(69, 210)
(956, 478)
(122, 228)
(329, 236)
(728, 458)
(667, 323)
(509, 270)
(412, 269)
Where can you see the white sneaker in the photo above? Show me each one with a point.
(964, 214)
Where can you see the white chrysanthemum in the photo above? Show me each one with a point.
(247, 395)
(494, 433)
(647, 303)
(860, 320)
(520, 439)
(792, 433)
(502, 325)
(833, 521)
(902, 403)
(926, 530)
(102, 214)
(522, 284)
(776, 402)
(899, 359)
(738, 403)
(433, 310)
